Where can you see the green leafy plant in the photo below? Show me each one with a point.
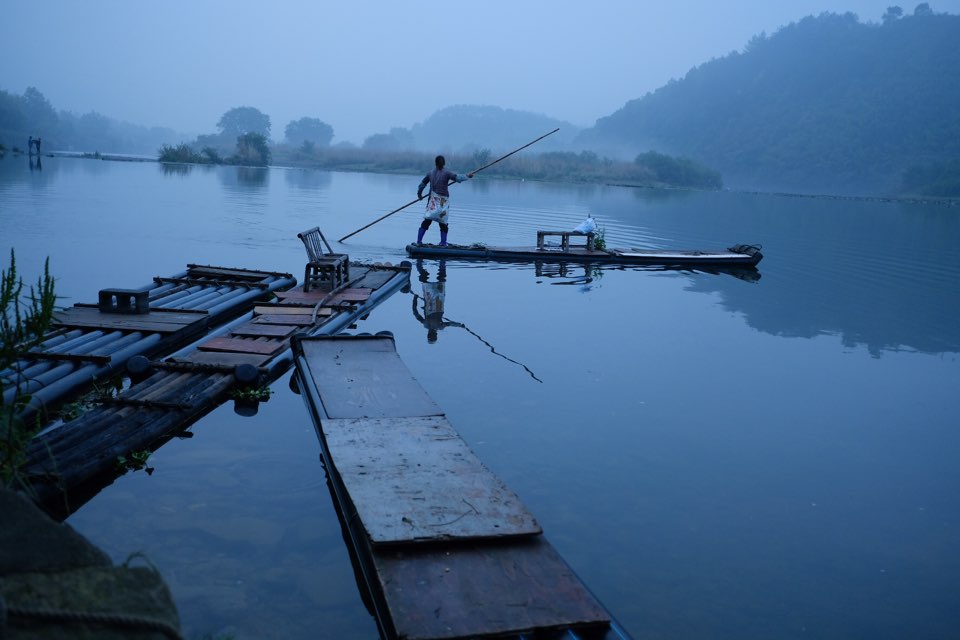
(135, 461)
(259, 394)
(99, 394)
(600, 239)
(24, 319)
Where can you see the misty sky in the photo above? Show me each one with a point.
(364, 67)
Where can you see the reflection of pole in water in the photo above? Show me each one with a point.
(433, 318)
(525, 367)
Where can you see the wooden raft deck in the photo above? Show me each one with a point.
(70, 463)
(446, 549)
(93, 341)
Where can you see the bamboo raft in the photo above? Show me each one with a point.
(92, 342)
(71, 462)
(444, 548)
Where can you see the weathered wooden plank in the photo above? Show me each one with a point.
(466, 591)
(372, 383)
(305, 297)
(300, 320)
(374, 279)
(241, 345)
(349, 295)
(251, 330)
(415, 479)
(281, 309)
(96, 305)
(67, 357)
(316, 295)
(90, 318)
(213, 271)
(223, 358)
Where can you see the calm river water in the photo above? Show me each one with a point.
(715, 457)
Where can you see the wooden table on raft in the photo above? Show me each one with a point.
(565, 238)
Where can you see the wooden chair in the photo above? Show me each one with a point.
(324, 268)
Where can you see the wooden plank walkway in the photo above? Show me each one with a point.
(446, 549)
(69, 464)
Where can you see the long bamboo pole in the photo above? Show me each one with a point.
(474, 172)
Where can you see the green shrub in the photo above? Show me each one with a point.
(180, 153)
(24, 319)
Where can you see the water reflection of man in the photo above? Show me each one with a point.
(434, 294)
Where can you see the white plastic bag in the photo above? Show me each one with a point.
(587, 225)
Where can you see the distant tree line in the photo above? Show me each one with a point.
(243, 138)
(650, 169)
(32, 115)
(244, 133)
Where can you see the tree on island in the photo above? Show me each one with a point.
(252, 149)
(243, 120)
(308, 130)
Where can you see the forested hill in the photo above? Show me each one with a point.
(827, 104)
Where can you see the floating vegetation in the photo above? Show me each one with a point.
(98, 395)
(135, 461)
(255, 394)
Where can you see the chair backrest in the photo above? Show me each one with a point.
(314, 242)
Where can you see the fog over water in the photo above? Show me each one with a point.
(366, 68)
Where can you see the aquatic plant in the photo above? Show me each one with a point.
(134, 462)
(258, 394)
(600, 239)
(24, 319)
(99, 394)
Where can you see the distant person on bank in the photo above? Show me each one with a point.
(438, 200)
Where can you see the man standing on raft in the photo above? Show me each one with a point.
(438, 200)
